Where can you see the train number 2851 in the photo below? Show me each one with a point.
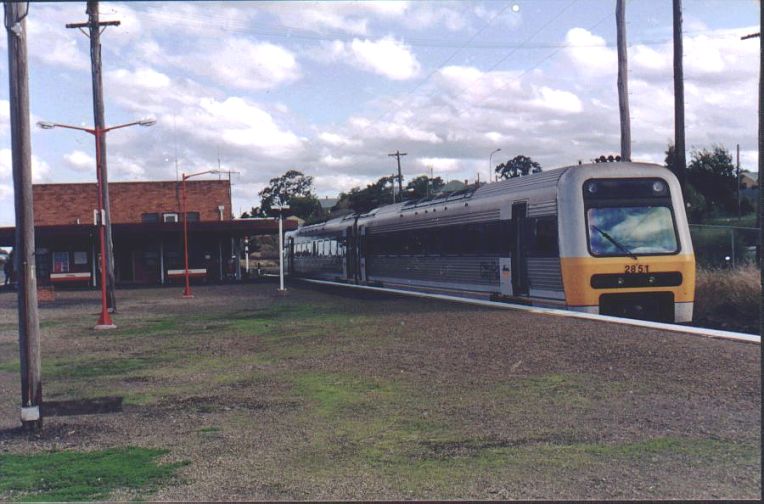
(636, 268)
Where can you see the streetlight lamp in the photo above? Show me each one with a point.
(104, 321)
(281, 209)
(187, 291)
(490, 165)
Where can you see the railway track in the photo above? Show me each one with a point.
(698, 331)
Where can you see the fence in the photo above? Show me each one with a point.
(724, 246)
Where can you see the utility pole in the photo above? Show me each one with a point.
(760, 210)
(623, 81)
(737, 178)
(400, 177)
(24, 248)
(680, 159)
(95, 26)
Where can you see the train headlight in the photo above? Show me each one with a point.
(659, 186)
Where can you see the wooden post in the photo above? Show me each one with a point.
(760, 210)
(95, 26)
(623, 81)
(680, 159)
(24, 247)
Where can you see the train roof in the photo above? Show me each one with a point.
(546, 180)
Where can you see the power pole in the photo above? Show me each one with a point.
(680, 159)
(95, 26)
(24, 248)
(400, 177)
(623, 81)
(737, 178)
(760, 210)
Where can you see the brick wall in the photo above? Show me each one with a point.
(56, 204)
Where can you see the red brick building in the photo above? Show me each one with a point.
(147, 232)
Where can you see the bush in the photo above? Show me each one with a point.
(728, 298)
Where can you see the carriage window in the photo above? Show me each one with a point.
(542, 237)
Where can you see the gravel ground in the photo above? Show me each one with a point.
(328, 393)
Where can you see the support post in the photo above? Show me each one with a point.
(24, 246)
(623, 81)
(95, 27)
(737, 180)
(680, 159)
(281, 250)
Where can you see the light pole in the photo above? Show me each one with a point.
(281, 209)
(187, 291)
(490, 165)
(104, 321)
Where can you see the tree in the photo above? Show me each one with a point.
(422, 186)
(282, 189)
(518, 166)
(307, 207)
(712, 175)
(373, 195)
(669, 161)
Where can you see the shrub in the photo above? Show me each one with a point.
(728, 298)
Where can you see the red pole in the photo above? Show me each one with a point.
(187, 291)
(104, 322)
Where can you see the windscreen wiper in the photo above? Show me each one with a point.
(615, 242)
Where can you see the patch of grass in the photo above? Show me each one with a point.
(92, 368)
(78, 476)
(561, 390)
(334, 394)
(11, 366)
(152, 328)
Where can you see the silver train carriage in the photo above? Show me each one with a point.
(608, 238)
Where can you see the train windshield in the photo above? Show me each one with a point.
(631, 231)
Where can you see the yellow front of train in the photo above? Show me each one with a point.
(625, 245)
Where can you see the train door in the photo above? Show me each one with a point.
(362, 253)
(519, 259)
(290, 256)
(350, 255)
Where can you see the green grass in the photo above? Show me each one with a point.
(387, 428)
(334, 394)
(80, 476)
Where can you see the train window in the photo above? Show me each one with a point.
(628, 231)
(542, 237)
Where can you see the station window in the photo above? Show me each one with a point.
(60, 262)
(169, 217)
(150, 217)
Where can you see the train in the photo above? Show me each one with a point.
(604, 238)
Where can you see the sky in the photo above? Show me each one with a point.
(331, 88)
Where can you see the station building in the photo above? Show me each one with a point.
(147, 231)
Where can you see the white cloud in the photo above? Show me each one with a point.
(80, 161)
(147, 79)
(349, 17)
(589, 54)
(40, 169)
(333, 161)
(440, 165)
(387, 56)
(337, 140)
(50, 42)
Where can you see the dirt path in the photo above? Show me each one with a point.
(332, 394)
